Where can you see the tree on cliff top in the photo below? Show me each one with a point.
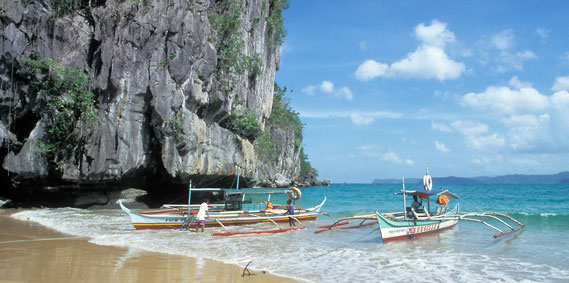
(285, 118)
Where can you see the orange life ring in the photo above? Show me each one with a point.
(294, 193)
(443, 200)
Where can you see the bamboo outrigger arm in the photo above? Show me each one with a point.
(324, 213)
(339, 222)
(296, 219)
(496, 216)
(221, 224)
(276, 224)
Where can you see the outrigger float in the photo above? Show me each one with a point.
(227, 207)
(418, 222)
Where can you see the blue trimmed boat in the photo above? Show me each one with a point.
(413, 222)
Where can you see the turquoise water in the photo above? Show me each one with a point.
(465, 253)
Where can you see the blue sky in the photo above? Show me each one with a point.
(467, 88)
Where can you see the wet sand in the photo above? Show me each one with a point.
(30, 252)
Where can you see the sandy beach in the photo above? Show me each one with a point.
(30, 252)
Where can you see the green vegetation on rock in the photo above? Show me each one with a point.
(226, 24)
(306, 170)
(282, 114)
(245, 124)
(176, 125)
(275, 22)
(61, 94)
(285, 118)
(266, 147)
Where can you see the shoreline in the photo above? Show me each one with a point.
(31, 252)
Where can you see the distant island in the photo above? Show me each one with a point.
(514, 179)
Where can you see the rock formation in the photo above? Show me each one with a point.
(163, 102)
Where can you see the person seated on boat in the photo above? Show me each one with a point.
(416, 204)
(200, 217)
(290, 211)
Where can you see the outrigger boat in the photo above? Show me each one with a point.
(227, 207)
(413, 223)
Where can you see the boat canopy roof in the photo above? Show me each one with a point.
(429, 193)
(240, 192)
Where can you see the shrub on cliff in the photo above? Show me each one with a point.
(306, 170)
(282, 114)
(60, 93)
(245, 124)
(275, 22)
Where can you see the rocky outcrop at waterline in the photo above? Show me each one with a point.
(166, 86)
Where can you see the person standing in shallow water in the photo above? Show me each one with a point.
(200, 217)
(290, 212)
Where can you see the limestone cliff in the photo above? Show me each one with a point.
(151, 63)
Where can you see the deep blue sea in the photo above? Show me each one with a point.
(466, 253)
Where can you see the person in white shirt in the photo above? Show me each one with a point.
(200, 217)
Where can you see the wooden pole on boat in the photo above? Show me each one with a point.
(296, 220)
(190, 198)
(268, 218)
(221, 224)
(238, 175)
(404, 201)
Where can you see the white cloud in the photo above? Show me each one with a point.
(470, 128)
(345, 93)
(476, 137)
(543, 33)
(564, 58)
(391, 156)
(428, 61)
(370, 69)
(441, 147)
(373, 152)
(327, 86)
(436, 34)
(363, 45)
(485, 143)
(532, 122)
(513, 61)
(561, 99)
(361, 119)
(499, 51)
(527, 131)
(561, 83)
(440, 127)
(506, 100)
(516, 83)
(309, 89)
(504, 40)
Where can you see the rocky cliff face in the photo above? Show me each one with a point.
(152, 63)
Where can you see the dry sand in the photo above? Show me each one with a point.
(30, 252)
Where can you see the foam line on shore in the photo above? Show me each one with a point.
(46, 239)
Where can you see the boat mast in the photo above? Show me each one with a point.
(238, 175)
(404, 202)
(189, 197)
